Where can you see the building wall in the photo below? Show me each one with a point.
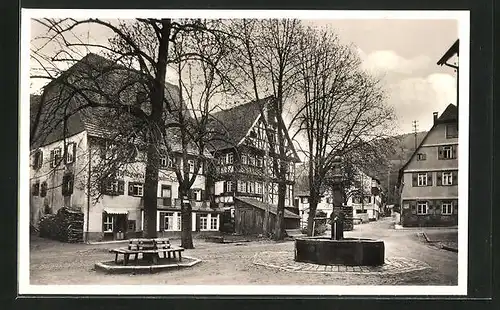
(323, 206)
(53, 176)
(434, 193)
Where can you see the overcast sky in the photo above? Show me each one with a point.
(404, 52)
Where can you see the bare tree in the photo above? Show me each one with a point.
(343, 108)
(140, 52)
(265, 58)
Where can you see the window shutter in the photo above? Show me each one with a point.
(454, 151)
(121, 187)
(59, 158)
(52, 158)
(203, 195)
(70, 184)
(439, 178)
(455, 206)
(439, 205)
(454, 175)
(130, 188)
(198, 216)
(161, 218)
(414, 179)
(429, 178)
(40, 159)
(440, 152)
(74, 152)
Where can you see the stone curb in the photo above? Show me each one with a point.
(145, 269)
(336, 269)
(442, 246)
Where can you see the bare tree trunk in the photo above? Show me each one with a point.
(150, 192)
(313, 205)
(187, 222)
(280, 214)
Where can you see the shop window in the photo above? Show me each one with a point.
(108, 223)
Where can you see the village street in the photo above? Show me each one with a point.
(52, 262)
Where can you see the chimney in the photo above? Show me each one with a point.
(435, 116)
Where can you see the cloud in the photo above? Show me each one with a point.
(389, 61)
(417, 98)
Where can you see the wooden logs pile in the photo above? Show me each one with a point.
(65, 226)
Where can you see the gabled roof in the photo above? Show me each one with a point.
(234, 123)
(231, 126)
(99, 122)
(263, 206)
(450, 114)
(454, 49)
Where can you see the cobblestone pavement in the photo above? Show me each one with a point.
(284, 260)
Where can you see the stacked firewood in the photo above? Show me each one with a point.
(65, 226)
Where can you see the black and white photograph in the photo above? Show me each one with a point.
(244, 152)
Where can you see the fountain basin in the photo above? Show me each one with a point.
(348, 251)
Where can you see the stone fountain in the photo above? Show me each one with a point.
(338, 250)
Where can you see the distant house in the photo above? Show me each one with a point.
(302, 202)
(63, 159)
(241, 170)
(365, 197)
(429, 180)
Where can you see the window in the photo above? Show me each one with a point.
(422, 179)
(421, 156)
(214, 221)
(108, 223)
(168, 221)
(251, 160)
(166, 162)
(229, 186)
(55, 157)
(191, 165)
(251, 187)
(135, 189)
(38, 159)
(447, 208)
(259, 161)
(35, 189)
(259, 188)
(67, 185)
(229, 158)
(244, 159)
(112, 186)
(422, 207)
(43, 189)
(305, 200)
(451, 131)
(70, 152)
(447, 178)
(446, 152)
(195, 194)
(242, 186)
(204, 222)
(179, 221)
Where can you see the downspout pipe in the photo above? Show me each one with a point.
(88, 198)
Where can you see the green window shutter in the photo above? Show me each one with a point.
(429, 178)
(454, 151)
(74, 152)
(439, 178)
(414, 179)
(439, 205)
(455, 206)
(455, 177)
(121, 187)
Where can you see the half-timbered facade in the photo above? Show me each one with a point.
(245, 158)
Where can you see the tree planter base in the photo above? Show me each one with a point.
(348, 251)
